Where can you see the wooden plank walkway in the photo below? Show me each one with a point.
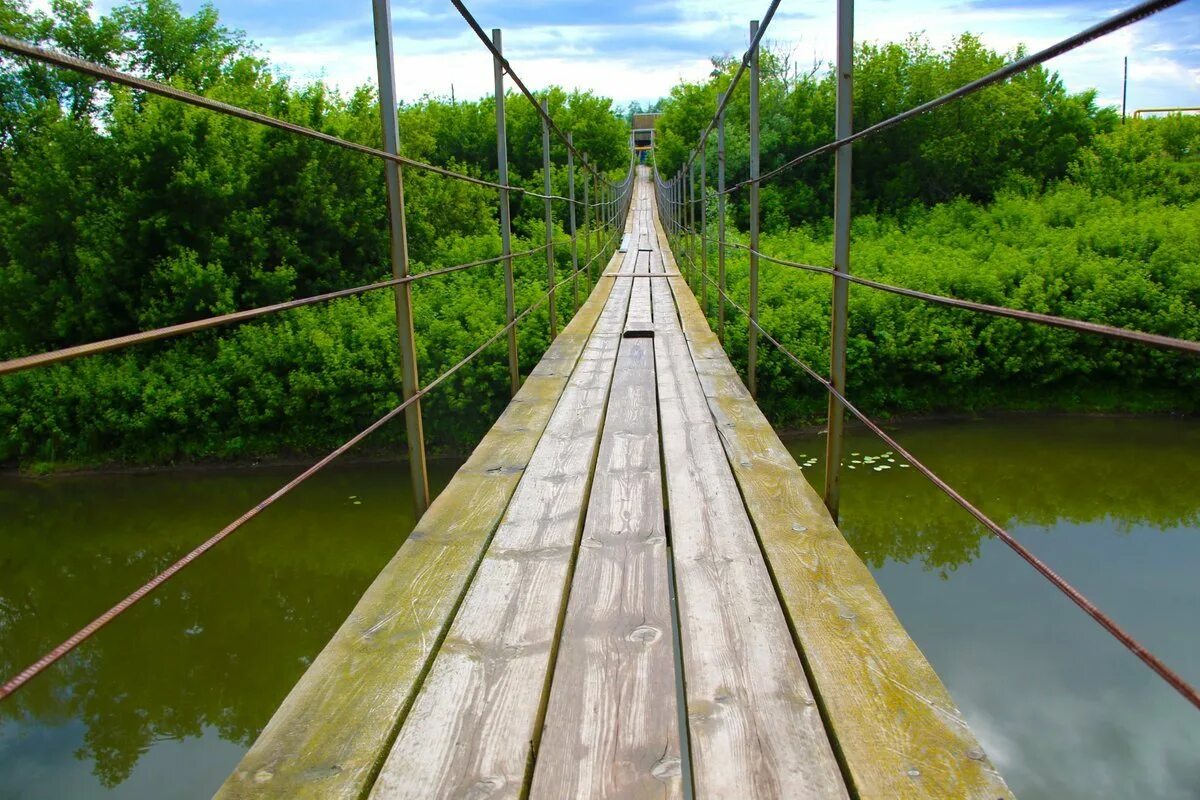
(629, 589)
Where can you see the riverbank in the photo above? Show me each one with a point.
(393, 455)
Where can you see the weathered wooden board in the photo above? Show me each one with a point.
(754, 727)
(611, 727)
(896, 728)
(471, 728)
(331, 733)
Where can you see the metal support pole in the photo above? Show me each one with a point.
(510, 302)
(721, 223)
(691, 223)
(409, 380)
(587, 223)
(599, 221)
(551, 274)
(1124, 89)
(704, 228)
(841, 255)
(574, 242)
(752, 333)
(678, 186)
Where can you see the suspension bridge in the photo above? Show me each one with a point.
(629, 588)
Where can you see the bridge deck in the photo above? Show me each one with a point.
(629, 586)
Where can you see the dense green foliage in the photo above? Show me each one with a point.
(121, 211)
(1022, 195)
(1117, 242)
(1025, 131)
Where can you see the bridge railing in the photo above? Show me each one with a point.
(604, 204)
(678, 211)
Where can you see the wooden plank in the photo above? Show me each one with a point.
(471, 727)
(898, 732)
(331, 733)
(754, 727)
(612, 724)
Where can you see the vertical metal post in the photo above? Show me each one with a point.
(603, 262)
(409, 379)
(510, 302)
(752, 333)
(704, 227)
(587, 222)
(571, 212)
(551, 274)
(721, 222)
(841, 255)
(1124, 88)
(679, 218)
(691, 223)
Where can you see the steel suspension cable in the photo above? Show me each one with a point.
(1066, 323)
(727, 95)
(1176, 682)
(469, 18)
(120, 342)
(1114, 23)
(84, 633)
(64, 61)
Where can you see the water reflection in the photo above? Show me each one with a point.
(194, 672)
(1021, 471)
(1065, 711)
(163, 702)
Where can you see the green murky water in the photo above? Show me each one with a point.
(163, 702)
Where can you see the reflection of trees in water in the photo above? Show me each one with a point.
(219, 646)
(1023, 472)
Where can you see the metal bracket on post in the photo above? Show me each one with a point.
(841, 256)
(571, 213)
(752, 333)
(721, 222)
(551, 275)
(409, 379)
(510, 303)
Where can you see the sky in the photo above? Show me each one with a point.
(636, 51)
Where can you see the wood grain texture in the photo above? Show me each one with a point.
(896, 727)
(754, 727)
(611, 727)
(331, 733)
(470, 730)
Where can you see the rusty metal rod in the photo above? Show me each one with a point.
(1114, 23)
(1152, 339)
(121, 342)
(80, 636)
(737, 76)
(474, 25)
(1176, 682)
(64, 61)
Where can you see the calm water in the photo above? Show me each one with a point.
(163, 702)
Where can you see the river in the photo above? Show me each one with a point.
(163, 702)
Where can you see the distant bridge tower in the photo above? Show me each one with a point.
(642, 135)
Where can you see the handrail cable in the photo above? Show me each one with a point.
(120, 342)
(737, 76)
(1114, 23)
(34, 669)
(65, 61)
(1166, 673)
(469, 18)
(1068, 323)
